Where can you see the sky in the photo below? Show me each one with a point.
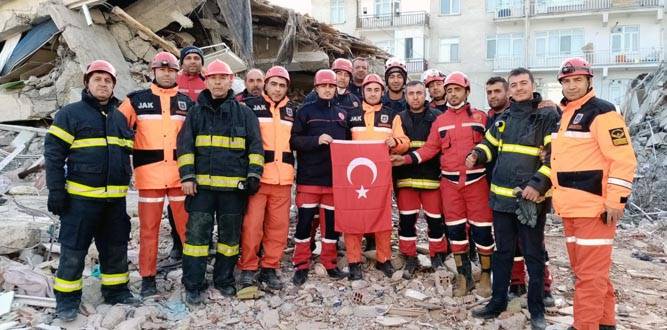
(301, 6)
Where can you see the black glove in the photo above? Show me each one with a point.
(527, 211)
(252, 185)
(58, 201)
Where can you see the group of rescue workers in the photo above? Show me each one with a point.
(484, 181)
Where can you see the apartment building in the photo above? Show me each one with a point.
(621, 38)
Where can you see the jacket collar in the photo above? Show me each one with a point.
(528, 105)
(94, 103)
(206, 99)
(372, 108)
(157, 90)
(576, 104)
(273, 105)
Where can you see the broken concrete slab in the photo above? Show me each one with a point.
(123, 35)
(91, 43)
(138, 46)
(16, 16)
(19, 106)
(157, 14)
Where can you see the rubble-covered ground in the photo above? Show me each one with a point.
(426, 301)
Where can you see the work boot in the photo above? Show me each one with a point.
(472, 253)
(270, 279)
(247, 278)
(410, 267)
(484, 288)
(606, 327)
(464, 283)
(336, 273)
(300, 277)
(438, 260)
(487, 312)
(516, 291)
(370, 243)
(385, 267)
(355, 272)
(549, 300)
(193, 297)
(176, 253)
(538, 323)
(124, 298)
(227, 290)
(148, 286)
(67, 314)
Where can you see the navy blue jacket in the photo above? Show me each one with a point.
(347, 101)
(396, 106)
(313, 159)
(95, 143)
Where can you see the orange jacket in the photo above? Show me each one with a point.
(592, 160)
(378, 122)
(275, 125)
(156, 115)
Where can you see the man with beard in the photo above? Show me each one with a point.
(254, 85)
(434, 80)
(395, 76)
(190, 80)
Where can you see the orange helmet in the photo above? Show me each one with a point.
(164, 59)
(432, 75)
(573, 67)
(323, 77)
(99, 66)
(457, 78)
(342, 64)
(218, 67)
(373, 78)
(277, 71)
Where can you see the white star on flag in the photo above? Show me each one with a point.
(361, 192)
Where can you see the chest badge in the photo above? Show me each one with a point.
(289, 112)
(577, 118)
(341, 116)
(182, 105)
(384, 119)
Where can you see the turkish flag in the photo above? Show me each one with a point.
(361, 186)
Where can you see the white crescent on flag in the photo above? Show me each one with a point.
(361, 161)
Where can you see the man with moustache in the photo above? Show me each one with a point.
(254, 85)
(434, 80)
(395, 77)
(360, 71)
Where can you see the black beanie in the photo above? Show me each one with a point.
(189, 50)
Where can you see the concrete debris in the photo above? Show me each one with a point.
(27, 281)
(114, 316)
(388, 321)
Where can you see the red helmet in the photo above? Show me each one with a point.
(432, 75)
(164, 59)
(323, 77)
(277, 71)
(101, 66)
(342, 64)
(457, 78)
(373, 78)
(573, 67)
(218, 67)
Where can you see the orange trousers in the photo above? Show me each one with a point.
(151, 202)
(265, 224)
(382, 243)
(589, 243)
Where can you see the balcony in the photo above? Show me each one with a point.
(419, 18)
(544, 8)
(642, 58)
(416, 65)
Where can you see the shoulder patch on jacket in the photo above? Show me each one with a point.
(618, 137)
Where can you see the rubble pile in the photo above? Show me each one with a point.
(645, 111)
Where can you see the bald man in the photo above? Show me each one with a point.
(254, 84)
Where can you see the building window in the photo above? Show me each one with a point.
(337, 11)
(383, 7)
(450, 7)
(408, 49)
(625, 39)
(506, 50)
(449, 50)
(490, 48)
(552, 47)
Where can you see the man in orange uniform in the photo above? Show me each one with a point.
(266, 222)
(156, 114)
(374, 122)
(592, 169)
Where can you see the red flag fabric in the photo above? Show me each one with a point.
(361, 186)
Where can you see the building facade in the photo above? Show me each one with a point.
(621, 38)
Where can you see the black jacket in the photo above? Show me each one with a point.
(396, 106)
(313, 159)
(93, 140)
(417, 127)
(355, 90)
(516, 140)
(219, 146)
